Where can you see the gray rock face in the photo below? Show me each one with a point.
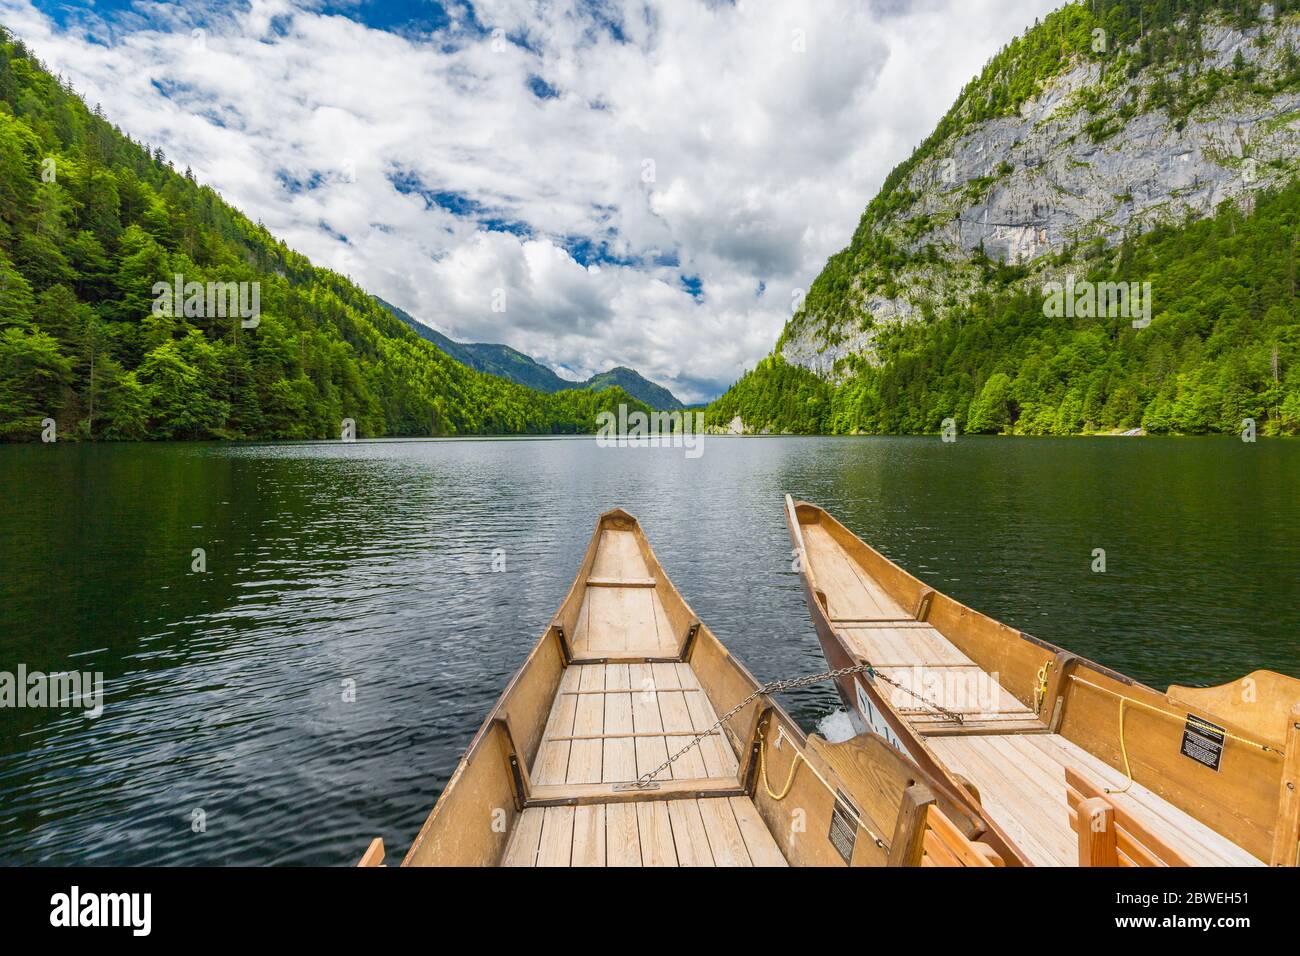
(1026, 186)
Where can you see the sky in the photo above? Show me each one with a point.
(649, 183)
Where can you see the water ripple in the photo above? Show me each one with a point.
(317, 684)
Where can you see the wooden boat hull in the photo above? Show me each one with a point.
(862, 698)
(624, 677)
(1045, 706)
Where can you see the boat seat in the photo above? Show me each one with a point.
(1110, 836)
(705, 831)
(945, 845)
(925, 836)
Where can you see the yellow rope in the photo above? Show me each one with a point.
(1041, 690)
(1181, 718)
(1123, 749)
(1124, 701)
(789, 781)
(789, 784)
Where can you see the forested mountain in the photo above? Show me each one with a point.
(91, 221)
(499, 360)
(510, 363)
(635, 384)
(1117, 141)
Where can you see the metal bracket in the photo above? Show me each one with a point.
(518, 769)
(691, 631)
(629, 787)
(564, 643)
(750, 781)
(923, 604)
(521, 794)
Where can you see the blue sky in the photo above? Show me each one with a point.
(399, 16)
(648, 183)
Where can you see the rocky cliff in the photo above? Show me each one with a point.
(1097, 125)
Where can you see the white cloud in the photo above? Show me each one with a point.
(767, 126)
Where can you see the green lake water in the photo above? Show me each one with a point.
(373, 563)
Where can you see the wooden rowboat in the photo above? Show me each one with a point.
(624, 677)
(1073, 763)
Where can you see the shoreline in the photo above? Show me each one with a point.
(436, 439)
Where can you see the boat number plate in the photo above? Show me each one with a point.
(1203, 742)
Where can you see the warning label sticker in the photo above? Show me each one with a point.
(1203, 742)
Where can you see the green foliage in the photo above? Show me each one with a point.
(632, 382)
(991, 412)
(90, 221)
(1223, 346)
(32, 374)
(775, 395)
(1163, 35)
(16, 300)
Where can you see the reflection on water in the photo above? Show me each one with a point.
(372, 563)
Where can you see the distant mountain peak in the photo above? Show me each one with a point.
(638, 386)
(509, 363)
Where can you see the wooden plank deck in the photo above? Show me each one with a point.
(927, 663)
(610, 723)
(622, 616)
(904, 646)
(618, 557)
(1021, 779)
(712, 831)
(909, 652)
(850, 594)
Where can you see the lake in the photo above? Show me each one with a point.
(366, 569)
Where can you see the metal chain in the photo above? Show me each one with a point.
(950, 714)
(778, 686)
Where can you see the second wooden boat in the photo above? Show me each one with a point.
(1073, 763)
(572, 766)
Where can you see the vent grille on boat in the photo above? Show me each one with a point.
(844, 826)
